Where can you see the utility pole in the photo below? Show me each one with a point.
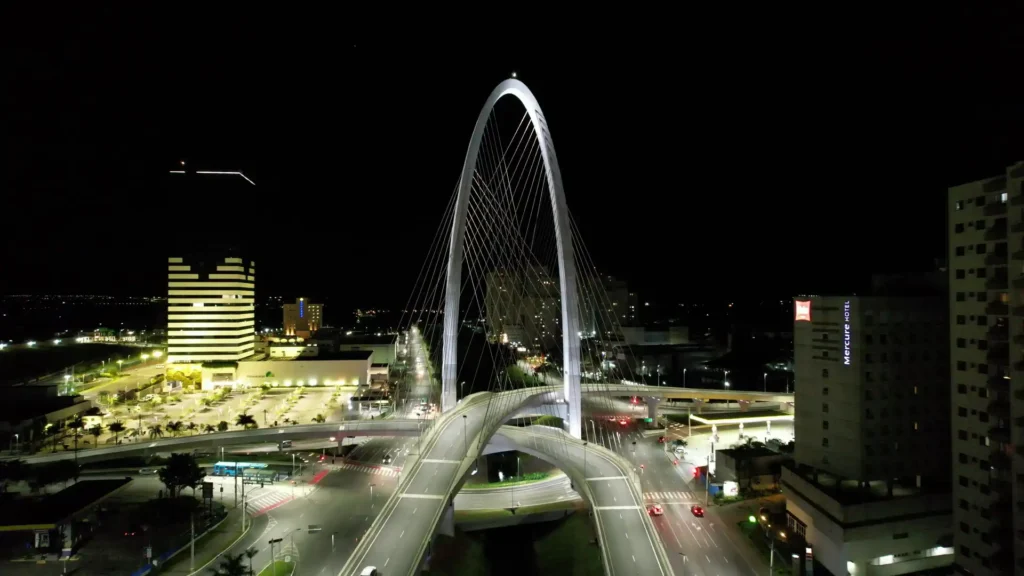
(192, 544)
(465, 436)
(707, 481)
(273, 562)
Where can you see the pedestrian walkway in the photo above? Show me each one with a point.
(366, 468)
(671, 497)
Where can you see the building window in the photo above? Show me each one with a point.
(961, 319)
(960, 297)
(979, 201)
(824, 442)
(960, 274)
(961, 365)
(824, 391)
(824, 424)
(824, 408)
(961, 412)
(982, 272)
(961, 342)
(959, 250)
(979, 224)
(963, 458)
(961, 434)
(959, 205)
(963, 481)
(958, 228)
(981, 249)
(824, 372)
(961, 388)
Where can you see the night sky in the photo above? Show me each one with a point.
(695, 166)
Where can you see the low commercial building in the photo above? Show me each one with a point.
(325, 369)
(850, 530)
(751, 468)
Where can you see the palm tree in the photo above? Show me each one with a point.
(249, 553)
(246, 421)
(76, 424)
(96, 432)
(174, 427)
(209, 429)
(231, 565)
(116, 427)
(156, 431)
(319, 418)
(222, 426)
(191, 427)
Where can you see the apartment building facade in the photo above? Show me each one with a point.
(986, 268)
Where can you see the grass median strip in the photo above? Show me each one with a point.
(278, 568)
(513, 481)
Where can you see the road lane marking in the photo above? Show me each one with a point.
(627, 535)
(709, 559)
(439, 461)
(402, 534)
(599, 478)
(616, 507)
(426, 496)
(386, 561)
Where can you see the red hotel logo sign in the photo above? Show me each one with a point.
(803, 310)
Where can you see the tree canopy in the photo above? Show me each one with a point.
(181, 471)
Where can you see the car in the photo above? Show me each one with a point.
(369, 571)
(387, 458)
(147, 471)
(624, 422)
(697, 511)
(661, 439)
(656, 510)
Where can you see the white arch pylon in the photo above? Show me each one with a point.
(563, 238)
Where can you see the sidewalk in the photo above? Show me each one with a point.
(209, 547)
(729, 516)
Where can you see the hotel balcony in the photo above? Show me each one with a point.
(995, 209)
(1000, 283)
(998, 354)
(996, 259)
(1018, 227)
(1000, 433)
(999, 309)
(998, 384)
(999, 460)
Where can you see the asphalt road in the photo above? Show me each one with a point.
(556, 489)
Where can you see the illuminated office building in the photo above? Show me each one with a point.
(210, 309)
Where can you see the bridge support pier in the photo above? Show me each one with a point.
(744, 405)
(447, 526)
(698, 406)
(652, 408)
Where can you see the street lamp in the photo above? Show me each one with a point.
(465, 438)
(145, 357)
(765, 381)
(157, 353)
(273, 564)
(584, 461)
(659, 374)
(371, 495)
(684, 377)
(119, 363)
(725, 380)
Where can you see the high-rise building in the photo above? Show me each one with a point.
(986, 274)
(210, 309)
(303, 318)
(869, 489)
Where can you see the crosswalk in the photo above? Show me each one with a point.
(267, 501)
(365, 468)
(679, 497)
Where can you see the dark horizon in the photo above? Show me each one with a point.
(695, 178)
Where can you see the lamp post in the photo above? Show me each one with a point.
(119, 363)
(765, 381)
(371, 495)
(273, 564)
(725, 381)
(659, 374)
(66, 386)
(684, 377)
(465, 439)
(584, 461)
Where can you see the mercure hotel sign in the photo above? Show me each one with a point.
(846, 333)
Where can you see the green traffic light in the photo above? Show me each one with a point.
(752, 519)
